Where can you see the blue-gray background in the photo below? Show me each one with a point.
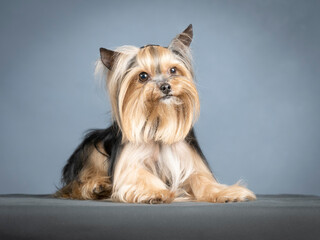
(257, 66)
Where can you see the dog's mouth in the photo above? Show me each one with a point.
(171, 99)
(166, 97)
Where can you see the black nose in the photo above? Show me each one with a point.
(165, 88)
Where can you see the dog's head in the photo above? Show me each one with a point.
(152, 90)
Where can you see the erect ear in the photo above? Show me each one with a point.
(183, 38)
(108, 57)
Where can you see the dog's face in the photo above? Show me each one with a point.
(152, 91)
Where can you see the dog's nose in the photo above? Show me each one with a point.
(165, 88)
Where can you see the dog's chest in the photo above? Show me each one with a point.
(174, 164)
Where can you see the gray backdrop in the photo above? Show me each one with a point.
(257, 66)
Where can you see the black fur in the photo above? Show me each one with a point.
(191, 139)
(111, 141)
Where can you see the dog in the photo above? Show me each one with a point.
(150, 153)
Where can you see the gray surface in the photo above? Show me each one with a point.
(270, 217)
(256, 62)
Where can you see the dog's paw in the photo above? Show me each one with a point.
(156, 197)
(151, 197)
(233, 193)
(102, 188)
(97, 188)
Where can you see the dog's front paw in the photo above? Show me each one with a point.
(162, 196)
(151, 197)
(233, 193)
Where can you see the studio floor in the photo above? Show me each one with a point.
(269, 217)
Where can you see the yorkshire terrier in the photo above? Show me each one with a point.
(150, 153)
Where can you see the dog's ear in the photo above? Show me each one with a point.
(183, 38)
(108, 57)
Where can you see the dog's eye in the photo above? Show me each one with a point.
(143, 76)
(173, 70)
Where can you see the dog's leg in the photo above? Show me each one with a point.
(138, 185)
(92, 181)
(205, 188)
(95, 183)
(133, 182)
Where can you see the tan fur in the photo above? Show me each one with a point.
(142, 115)
(133, 182)
(93, 182)
(176, 171)
(137, 106)
(205, 188)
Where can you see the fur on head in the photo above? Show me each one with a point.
(152, 90)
